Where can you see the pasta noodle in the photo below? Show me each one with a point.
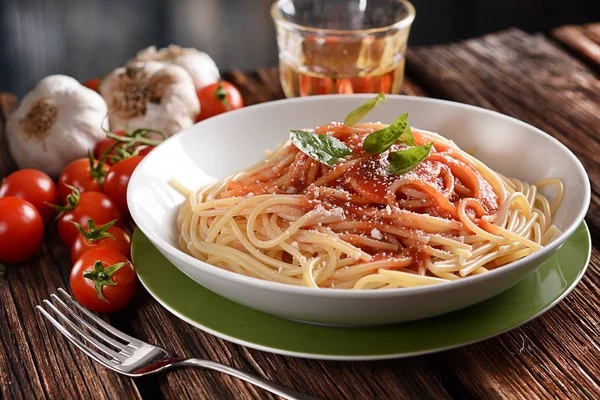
(293, 220)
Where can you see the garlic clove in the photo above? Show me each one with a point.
(151, 95)
(57, 122)
(198, 64)
(201, 67)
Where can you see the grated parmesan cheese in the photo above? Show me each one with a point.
(376, 234)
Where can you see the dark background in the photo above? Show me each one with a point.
(86, 38)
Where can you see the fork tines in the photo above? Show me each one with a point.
(105, 344)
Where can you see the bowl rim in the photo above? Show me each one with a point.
(257, 283)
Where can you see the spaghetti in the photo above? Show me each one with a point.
(293, 220)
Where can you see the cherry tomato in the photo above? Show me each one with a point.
(103, 280)
(21, 230)
(82, 177)
(218, 98)
(34, 186)
(80, 208)
(106, 237)
(93, 84)
(103, 146)
(117, 180)
(145, 150)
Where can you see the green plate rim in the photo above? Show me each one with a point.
(581, 237)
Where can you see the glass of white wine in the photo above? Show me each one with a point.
(342, 46)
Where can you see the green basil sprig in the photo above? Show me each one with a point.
(329, 150)
(381, 140)
(323, 148)
(360, 112)
(403, 161)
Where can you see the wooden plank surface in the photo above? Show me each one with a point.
(582, 39)
(556, 356)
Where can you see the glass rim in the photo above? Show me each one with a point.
(400, 24)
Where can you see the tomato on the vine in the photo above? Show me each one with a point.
(218, 98)
(34, 186)
(117, 180)
(84, 174)
(144, 151)
(93, 84)
(106, 237)
(104, 145)
(21, 230)
(103, 280)
(81, 207)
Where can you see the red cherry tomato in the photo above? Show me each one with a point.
(103, 280)
(93, 84)
(82, 177)
(218, 98)
(80, 208)
(21, 230)
(104, 145)
(34, 186)
(146, 150)
(106, 237)
(117, 180)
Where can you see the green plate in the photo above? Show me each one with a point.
(200, 307)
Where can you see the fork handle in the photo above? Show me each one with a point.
(279, 390)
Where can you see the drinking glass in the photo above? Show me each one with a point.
(342, 46)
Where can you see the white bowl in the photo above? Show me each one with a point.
(221, 145)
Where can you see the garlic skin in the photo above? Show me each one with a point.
(57, 122)
(198, 64)
(151, 95)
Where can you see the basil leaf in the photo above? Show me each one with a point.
(322, 148)
(359, 113)
(407, 137)
(381, 140)
(403, 161)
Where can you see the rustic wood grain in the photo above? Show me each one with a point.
(556, 356)
(530, 78)
(582, 39)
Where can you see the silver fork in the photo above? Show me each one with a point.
(132, 357)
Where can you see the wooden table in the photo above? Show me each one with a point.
(550, 82)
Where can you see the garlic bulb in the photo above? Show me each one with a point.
(198, 64)
(57, 122)
(151, 95)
